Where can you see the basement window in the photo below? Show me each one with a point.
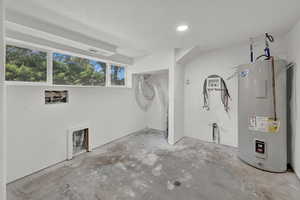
(25, 65)
(72, 70)
(118, 75)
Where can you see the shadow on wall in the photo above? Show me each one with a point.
(290, 93)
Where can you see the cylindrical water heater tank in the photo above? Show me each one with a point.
(262, 114)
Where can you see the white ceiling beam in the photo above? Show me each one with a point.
(36, 24)
(55, 46)
(184, 56)
(180, 54)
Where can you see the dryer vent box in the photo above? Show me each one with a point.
(213, 83)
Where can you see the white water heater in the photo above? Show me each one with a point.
(262, 114)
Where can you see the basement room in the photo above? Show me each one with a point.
(149, 100)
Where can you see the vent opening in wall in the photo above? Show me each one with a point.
(79, 141)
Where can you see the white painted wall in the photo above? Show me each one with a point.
(159, 60)
(156, 64)
(221, 62)
(37, 132)
(2, 108)
(176, 103)
(293, 39)
(156, 116)
(179, 73)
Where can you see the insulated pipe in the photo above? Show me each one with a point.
(267, 54)
(274, 88)
(251, 50)
(267, 49)
(216, 133)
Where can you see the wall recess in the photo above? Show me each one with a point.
(56, 96)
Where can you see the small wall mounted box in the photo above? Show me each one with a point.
(213, 83)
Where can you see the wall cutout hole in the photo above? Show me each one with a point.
(177, 183)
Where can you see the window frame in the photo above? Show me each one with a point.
(49, 67)
(84, 57)
(30, 47)
(125, 76)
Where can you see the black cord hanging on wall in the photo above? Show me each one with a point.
(217, 83)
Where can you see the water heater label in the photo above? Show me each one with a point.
(263, 124)
(244, 73)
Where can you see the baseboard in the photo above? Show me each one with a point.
(118, 138)
(158, 130)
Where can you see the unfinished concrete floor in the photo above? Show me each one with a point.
(143, 166)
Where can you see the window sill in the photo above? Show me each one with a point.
(45, 84)
(21, 83)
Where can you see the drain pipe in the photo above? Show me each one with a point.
(216, 133)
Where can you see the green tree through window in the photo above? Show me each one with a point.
(71, 70)
(117, 75)
(25, 64)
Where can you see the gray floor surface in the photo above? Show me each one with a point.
(143, 166)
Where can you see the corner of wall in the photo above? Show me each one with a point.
(293, 46)
(2, 105)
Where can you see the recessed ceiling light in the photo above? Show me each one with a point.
(182, 28)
